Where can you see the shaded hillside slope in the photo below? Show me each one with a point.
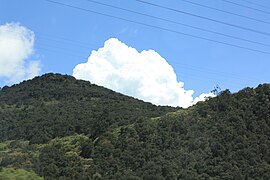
(227, 137)
(55, 105)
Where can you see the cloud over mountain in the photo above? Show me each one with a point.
(16, 46)
(144, 75)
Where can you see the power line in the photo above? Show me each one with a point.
(209, 70)
(65, 39)
(205, 18)
(248, 7)
(257, 4)
(178, 23)
(48, 38)
(158, 27)
(66, 53)
(227, 12)
(214, 72)
(65, 48)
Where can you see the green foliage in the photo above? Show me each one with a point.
(19, 154)
(53, 106)
(18, 174)
(66, 158)
(88, 132)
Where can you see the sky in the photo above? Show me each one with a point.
(165, 52)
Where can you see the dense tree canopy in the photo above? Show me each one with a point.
(62, 128)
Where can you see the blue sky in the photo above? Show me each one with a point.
(65, 37)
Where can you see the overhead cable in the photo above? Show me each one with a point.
(227, 12)
(257, 4)
(244, 6)
(205, 18)
(179, 23)
(158, 27)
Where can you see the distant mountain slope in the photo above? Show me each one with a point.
(55, 105)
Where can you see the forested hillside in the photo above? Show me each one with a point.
(54, 105)
(56, 127)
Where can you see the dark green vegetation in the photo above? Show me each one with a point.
(59, 128)
(53, 106)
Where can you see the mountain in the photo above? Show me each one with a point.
(54, 105)
(56, 127)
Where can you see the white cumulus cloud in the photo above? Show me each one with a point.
(16, 45)
(203, 97)
(144, 75)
